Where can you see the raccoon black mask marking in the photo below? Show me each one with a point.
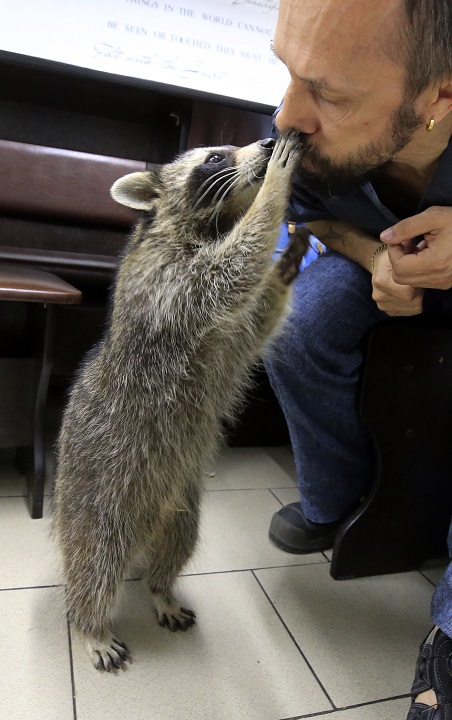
(205, 188)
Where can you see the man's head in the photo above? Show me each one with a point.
(426, 44)
(361, 89)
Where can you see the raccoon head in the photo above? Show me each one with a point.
(205, 188)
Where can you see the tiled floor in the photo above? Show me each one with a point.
(276, 637)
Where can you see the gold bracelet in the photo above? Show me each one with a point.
(379, 249)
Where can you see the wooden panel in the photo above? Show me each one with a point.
(217, 124)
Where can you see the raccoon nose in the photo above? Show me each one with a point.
(268, 143)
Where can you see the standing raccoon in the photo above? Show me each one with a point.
(196, 296)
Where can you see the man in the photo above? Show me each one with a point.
(371, 96)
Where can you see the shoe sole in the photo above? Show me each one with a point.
(313, 547)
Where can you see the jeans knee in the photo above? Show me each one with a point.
(331, 310)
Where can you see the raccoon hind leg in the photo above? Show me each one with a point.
(172, 546)
(95, 569)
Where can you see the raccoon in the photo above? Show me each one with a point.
(195, 298)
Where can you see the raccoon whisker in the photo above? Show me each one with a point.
(223, 172)
(230, 183)
(220, 196)
(211, 185)
(219, 173)
(258, 177)
(226, 186)
(212, 181)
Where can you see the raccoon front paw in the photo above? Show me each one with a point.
(286, 152)
(289, 262)
(170, 614)
(107, 654)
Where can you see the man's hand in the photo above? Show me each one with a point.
(392, 298)
(429, 264)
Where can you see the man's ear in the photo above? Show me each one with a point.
(137, 190)
(441, 104)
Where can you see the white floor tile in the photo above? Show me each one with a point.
(286, 496)
(13, 483)
(238, 663)
(360, 636)
(388, 710)
(247, 469)
(34, 661)
(434, 570)
(234, 534)
(285, 459)
(27, 554)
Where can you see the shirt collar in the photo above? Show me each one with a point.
(439, 190)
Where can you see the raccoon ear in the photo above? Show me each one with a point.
(137, 190)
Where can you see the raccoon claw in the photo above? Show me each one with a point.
(170, 614)
(188, 612)
(115, 663)
(286, 149)
(121, 649)
(187, 618)
(183, 620)
(108, 656)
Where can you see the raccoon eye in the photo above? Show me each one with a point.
(215, 158)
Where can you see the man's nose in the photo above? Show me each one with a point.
(297, 111)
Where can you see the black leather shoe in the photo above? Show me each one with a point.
(290, 530)
(433, 672)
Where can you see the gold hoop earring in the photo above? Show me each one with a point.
(430, 125)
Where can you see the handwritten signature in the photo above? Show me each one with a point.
(266, 5)
(116, 53)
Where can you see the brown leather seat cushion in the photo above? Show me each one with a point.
(30, 285)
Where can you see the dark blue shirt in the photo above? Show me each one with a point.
(362, 208)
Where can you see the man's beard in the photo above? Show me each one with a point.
(325, 175)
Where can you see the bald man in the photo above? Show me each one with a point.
(371, 95)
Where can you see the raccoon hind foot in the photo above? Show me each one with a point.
(107, 654)
(170, 614)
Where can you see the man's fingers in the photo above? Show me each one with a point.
(405, 268)
(395, 253)
(428, 222)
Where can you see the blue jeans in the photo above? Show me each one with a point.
(314, 368)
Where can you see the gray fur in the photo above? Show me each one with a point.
(195, 298)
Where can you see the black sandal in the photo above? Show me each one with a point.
(433, 672)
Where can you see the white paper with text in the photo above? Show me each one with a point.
(222, 47)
